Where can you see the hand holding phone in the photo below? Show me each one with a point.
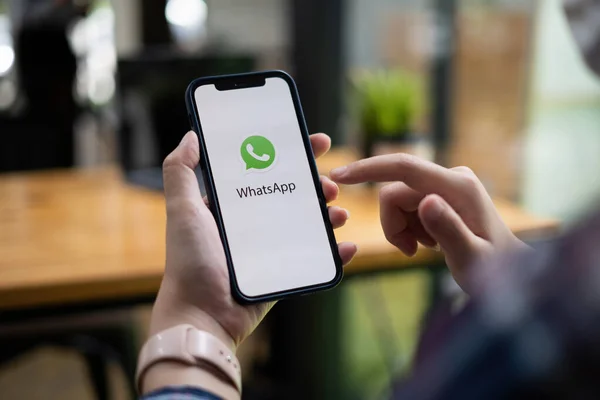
(263, 186)
(196, 287)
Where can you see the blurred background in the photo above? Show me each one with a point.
(497, 85)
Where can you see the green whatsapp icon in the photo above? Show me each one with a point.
(257, 152)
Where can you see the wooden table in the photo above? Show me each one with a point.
(78, 236)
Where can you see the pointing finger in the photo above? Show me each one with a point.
(420, 175)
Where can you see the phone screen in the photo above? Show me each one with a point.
(266, 193)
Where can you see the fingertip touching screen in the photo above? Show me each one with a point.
(271, 213)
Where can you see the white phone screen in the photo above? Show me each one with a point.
(271, 214)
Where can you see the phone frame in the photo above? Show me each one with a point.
(237, 82)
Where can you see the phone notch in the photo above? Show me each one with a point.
(240, 82)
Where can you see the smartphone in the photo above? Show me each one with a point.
(263, 185)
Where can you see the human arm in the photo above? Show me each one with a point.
(195, 289)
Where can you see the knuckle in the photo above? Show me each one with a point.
(172, 166)
(393, 237)
(386, 193)
(470, 184)
(170, 161)
(182, 158)
(389, 237)
(182, 207)
(405, 162)
(407, 165)
(464, 170)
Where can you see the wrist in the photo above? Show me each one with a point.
(183, 355)
(168, 311)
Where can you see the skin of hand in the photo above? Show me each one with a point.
(195, 288)
(435, 206)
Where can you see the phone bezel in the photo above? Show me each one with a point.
(242, 81)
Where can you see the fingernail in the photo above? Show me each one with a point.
(436, 208)
(338, 172)
(347, 214)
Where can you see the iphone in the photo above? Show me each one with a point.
(263, 185)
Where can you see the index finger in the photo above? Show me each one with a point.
(422, 176)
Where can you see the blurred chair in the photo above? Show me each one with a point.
(98, 338)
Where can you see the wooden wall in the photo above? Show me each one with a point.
(490, 97)
(490, 86)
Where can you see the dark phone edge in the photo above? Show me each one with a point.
(214, 203)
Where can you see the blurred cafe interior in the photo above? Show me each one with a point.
(92, 101)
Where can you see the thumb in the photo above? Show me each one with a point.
(179, 179)
(445, 226)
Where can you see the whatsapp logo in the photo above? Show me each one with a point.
(258, 153)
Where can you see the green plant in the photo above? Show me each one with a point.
(389, 102)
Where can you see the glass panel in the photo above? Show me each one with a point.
(562, 143)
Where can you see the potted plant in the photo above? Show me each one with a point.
(389, 106)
